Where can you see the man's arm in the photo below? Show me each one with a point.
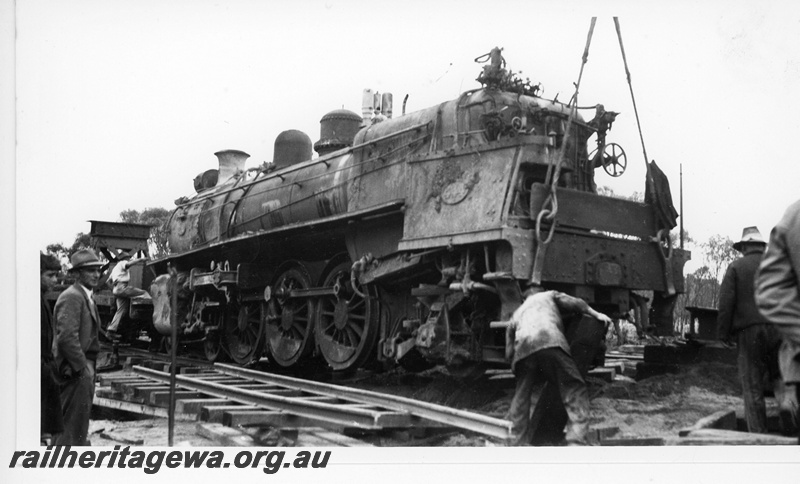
(569, 303)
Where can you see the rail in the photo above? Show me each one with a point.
(332, 403)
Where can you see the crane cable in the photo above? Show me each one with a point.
(633, 98)
(550, 213)
(662, 238)
(549, 208)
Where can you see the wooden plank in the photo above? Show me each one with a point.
(276, 418)
(633, 442)
(108, 393)
(732, 437)
(111, 379)
(272, 418)
(605, 374)
(138, 408)
(327, 438)
(225, 436)
(144, 391)
(161, 399)
(724, 419)
(120, 386)
(213, 413)
(193, 405)
(598, 434)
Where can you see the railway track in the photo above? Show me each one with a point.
(236, 396)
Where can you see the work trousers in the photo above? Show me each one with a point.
(758, 371)
(123, 294)
(556, 367)
(76, 400)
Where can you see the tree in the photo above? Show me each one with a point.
(82, 241)
(156, 217)
(718, 253)
(702, 286)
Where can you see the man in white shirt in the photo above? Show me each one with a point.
(537, 347)
(120, 279)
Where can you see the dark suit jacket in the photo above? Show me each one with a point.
(737, 301)
(76, 330)
(52, 420)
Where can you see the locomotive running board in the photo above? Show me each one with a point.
(393, 206)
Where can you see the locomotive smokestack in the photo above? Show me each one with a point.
(230, 163)
(386, 104)
(367, 105)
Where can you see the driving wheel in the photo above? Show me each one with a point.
(346, 325)
(244, 330)
(289, 324)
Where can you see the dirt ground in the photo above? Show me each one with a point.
(658, 406)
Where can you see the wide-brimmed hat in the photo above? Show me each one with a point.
(749, 235)
(84, 258)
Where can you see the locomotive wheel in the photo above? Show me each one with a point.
(346, 324)
(244, 330)
(289, 322)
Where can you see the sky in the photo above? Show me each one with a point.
(112, 105)
(121, 103)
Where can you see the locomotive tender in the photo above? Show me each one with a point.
(412, 238)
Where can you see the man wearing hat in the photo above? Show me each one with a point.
(120, 279)
(758, 341)
(76, 346)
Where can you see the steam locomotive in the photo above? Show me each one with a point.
(411, 239)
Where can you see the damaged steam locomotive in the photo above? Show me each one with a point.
(411, 239)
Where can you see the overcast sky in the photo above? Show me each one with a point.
(121, 103)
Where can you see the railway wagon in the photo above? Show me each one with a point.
(412, 238)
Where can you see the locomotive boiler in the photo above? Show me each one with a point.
(412, 238)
